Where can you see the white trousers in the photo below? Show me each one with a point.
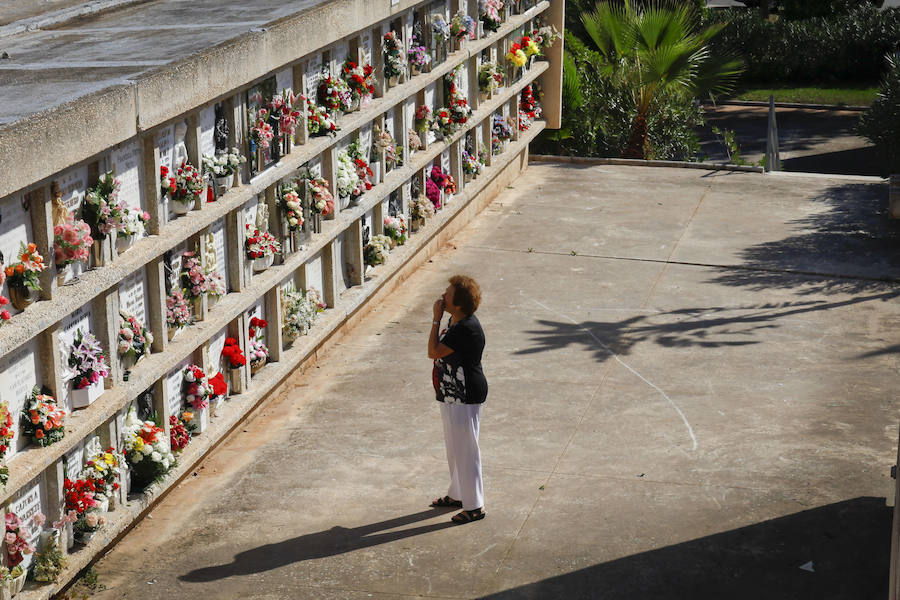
(461, 423)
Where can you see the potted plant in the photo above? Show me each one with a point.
(187, 189)
(234, 362)
(133, 341)
(394, 60)
(178, 313)
(261, 247)
(72, 243)
(258, 352)
(23, 276)
(88, 366)
(42, 419)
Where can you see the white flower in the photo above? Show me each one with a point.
(165, 464)
(138, 457)
(147, 449)
(156, 457)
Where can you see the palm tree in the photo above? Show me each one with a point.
(653, 50)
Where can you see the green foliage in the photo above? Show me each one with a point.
(49, 562)
(822, 49)
(807, 9)
(881, 123)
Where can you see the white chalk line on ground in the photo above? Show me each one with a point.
(678, 410)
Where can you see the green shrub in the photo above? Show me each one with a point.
(825, 49)
(881, 123)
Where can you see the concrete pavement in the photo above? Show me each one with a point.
(693, 394)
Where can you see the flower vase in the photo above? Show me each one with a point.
(235, 381)
(260, 160)
(21, 296)
(393, 81)
(69, 273)
(123, 243)
(256, 366)
(113, 500)
(84, 397)
(467, 177)
(100, 251)
(183, 207)
(483, 96)
(344, 202)
(223, 182)
(211, 300)
(263, 262)
(85, 537)
(18, 583)
(102, 503)
(197, 308)
(201, 419)
(316, 222)
(376, 172)
(127, 361)
(354, 104)
(414, 70)
(70, 535)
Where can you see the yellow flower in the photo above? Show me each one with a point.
(109, 458)
(138, 444)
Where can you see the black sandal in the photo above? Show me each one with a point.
(447, 501)
(468, 516)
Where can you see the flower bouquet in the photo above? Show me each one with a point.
(529, 109)
(102, 208)
(321, 201)
(299, 311)
(133, 226)
(4, 313)
(178, 312)
(545, 36)
(460, 111)
(17, 545)
(216, 284)
(189, 186)
(394, 61)
(88, 368)
(234, 361)
(501, 132)
(223, 168)
(415, 140)
(42, 419)
(421, 208)
(490, 78)
(424, 119)
(259, 352)
(146, 450)
(470, 165)
(261, 131)
(181, 428)
(261, 247)
(516, 55)
(133, 341)
(286, 109)
(72, 243)
(377, 250)
(291, 207)
(334, 93)
(103, 470)
(7, 433)
(219, 390)
(417, 55)
(440, 34)
(198, 393)
(443, 122)
(318, 121)
(395, 229)
(385, 146)
(80, 498)
(23, 276)
(360, 79)
(462, 27)
(349, 184)
(489, 13)
(433, 193)
(193, 279)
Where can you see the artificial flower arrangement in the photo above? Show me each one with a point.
(424, 118)
(197, 387)
(193, 276)
(377, 250)
(17, 545)
(470, 164)
(102, 469)
(260, 244)
(4, 313)
(102, 208)
(433, 193)
(71, 241)
(234, 356)
(218, 386)
(443, 122)
(86, 362)
(422, 208)
(460, 111)
(135, 223)
(134, 339)
(319, 121)
(146, 450)
(395, 228)
(417, 55)
(299, 311)
(530, 46)
(384, 144)
(334, 93)
(440, 29)
(490, 77)
(360, 79)
(258, 351)
(42, 419)
(291, 207)
(482, 157)
(501, 131)
(516, 55)
(166, 181)
(392, 50)
(181, 429)
(215, 282)
(321, 200)
(178, 312)
(24, 276)
(349, 184)
(7, 433)
(489, 13)
(529, 109)
(462, 26)
(187, 186)
(415, 141)
(80, 496)
(50, 561)
(545, 36)
(285, 108)
(224, 165)
(261, 131)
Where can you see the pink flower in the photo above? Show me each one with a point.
(70, 236)
(10, 538)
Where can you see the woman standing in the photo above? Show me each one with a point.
(461, 389)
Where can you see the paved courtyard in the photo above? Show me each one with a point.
(693, 394)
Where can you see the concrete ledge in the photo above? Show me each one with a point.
(353, 306)
(586, 160)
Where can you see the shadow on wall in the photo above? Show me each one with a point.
(847, 542)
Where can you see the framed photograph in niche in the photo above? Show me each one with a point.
(221, 130)
(262, 132)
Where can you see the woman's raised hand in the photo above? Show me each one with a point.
(438, 309)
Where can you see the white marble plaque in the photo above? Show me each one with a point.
(339, 54)
(250, 210)
(284, 79)
(30, 500)
(80, 319)
(365, 43)
(15, 229)
(445, 160)
(315, 167)
(19, 373)
(165, 141)
(126, 158)
(175, 387)
(410, 113)
(389, 125)
(314, 276)
(72, 185)
(92, 446)
(216, 345)
(430, 94)
(313, 75)
(407, 190)
(133, 292)
(207, 131)
(218, 232)
(365, 140)
(462, 80)
(74, 460)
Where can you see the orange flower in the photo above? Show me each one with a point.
(32, 247)
(20, 268)
(187, 416)
(9, 271)
(39, 434)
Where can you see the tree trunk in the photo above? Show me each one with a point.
(637, 141)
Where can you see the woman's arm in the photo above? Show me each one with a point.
(435, 348)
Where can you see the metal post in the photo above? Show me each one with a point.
(773, 161)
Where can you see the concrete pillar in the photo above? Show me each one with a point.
(329, 274)
(234, 231)
(150, 184)
(40, 205)
(353, 252)
(54, 477)
(156, 303)
(551, 79)
(105, 309)
(51, 355)
(275, 319)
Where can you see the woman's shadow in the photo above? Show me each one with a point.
(336, 540)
